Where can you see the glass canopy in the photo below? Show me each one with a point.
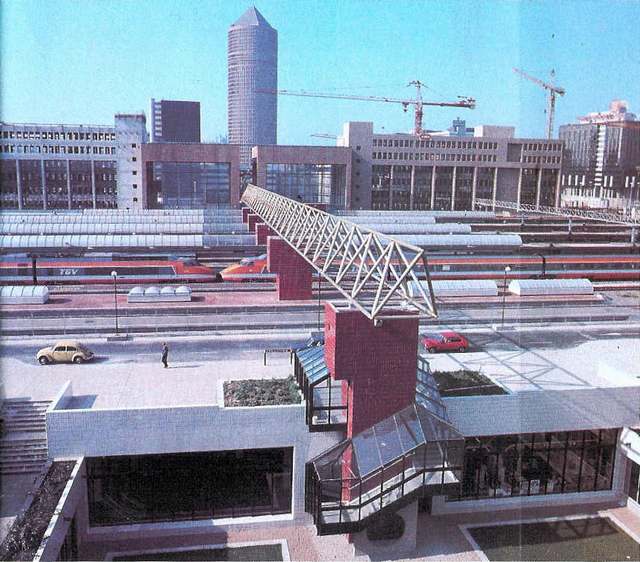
(326, 406)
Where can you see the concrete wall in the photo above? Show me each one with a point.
(72, 504)
(544, 411)
(359, 136)
(138, 431)
(131, 133)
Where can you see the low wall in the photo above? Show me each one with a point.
(56, 532)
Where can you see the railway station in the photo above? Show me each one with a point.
(374, 442)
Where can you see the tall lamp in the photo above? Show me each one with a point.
(114, 274)
(507, 269)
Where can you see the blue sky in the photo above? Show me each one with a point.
(81, 61)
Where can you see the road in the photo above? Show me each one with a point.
(212, 348)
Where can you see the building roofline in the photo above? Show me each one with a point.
(5, 123)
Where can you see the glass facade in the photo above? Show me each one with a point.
(173, 487)
(311, 183)
(633, 489)
(188, 185)
(325, 399)
(538, 463)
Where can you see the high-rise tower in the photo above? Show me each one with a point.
(252, 65)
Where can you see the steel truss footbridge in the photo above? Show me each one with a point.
(566, 212)
(377, 274)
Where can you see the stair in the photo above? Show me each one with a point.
(23, 444)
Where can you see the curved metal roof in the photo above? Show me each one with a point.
(526, 287)
(410, 227)
(462, 240)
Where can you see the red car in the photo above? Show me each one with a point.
(444, 341)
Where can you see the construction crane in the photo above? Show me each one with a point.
(551, 101)
(418, 103)
(323, 136)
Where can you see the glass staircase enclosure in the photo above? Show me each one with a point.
(413, 453)
(326, 404)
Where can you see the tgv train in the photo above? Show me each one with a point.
(20, 270)
(600, 268)
(248, 269)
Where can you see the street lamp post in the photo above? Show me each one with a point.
(114, 274)
(507, 269)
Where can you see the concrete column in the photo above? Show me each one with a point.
(413, 186)
(538, 187)
(43, 185)
(495, 187)
(68, 183)
(293, 273)
(558, 178)
(474, 187)
(252, 221)
(453, 188)
(391, 188)
(433, 187)
(262, 233)
(19, 183)
(93, 184)
(378, 362)
(519, 192)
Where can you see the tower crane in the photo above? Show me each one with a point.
(418, 103)
(551, 101)
(324, 136)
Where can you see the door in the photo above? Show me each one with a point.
(71, 351)
(453, 342)
(60, 353)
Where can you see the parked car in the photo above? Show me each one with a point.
(64, 351)
(444, 341)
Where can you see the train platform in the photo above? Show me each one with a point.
(79, 304)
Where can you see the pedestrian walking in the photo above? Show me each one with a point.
(165, 355)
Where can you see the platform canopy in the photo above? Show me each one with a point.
(374, 272)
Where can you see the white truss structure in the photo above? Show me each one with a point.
(372, 271)
(567, 212)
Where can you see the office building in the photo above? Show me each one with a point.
(46, 167)
(175, 121)
(602, 160)
(313, 174)
(252, 67)
(190, 176)
(400, 171)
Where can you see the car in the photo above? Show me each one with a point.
(64, 351)
(444, 341)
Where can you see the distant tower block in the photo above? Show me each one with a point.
(252, 58)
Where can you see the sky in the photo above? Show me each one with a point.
(81, 61)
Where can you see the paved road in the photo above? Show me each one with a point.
(212, 348)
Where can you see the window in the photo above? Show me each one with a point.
(135, 172)
(134, 159)
(135, 199)
(135, 186)
(133, 145)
